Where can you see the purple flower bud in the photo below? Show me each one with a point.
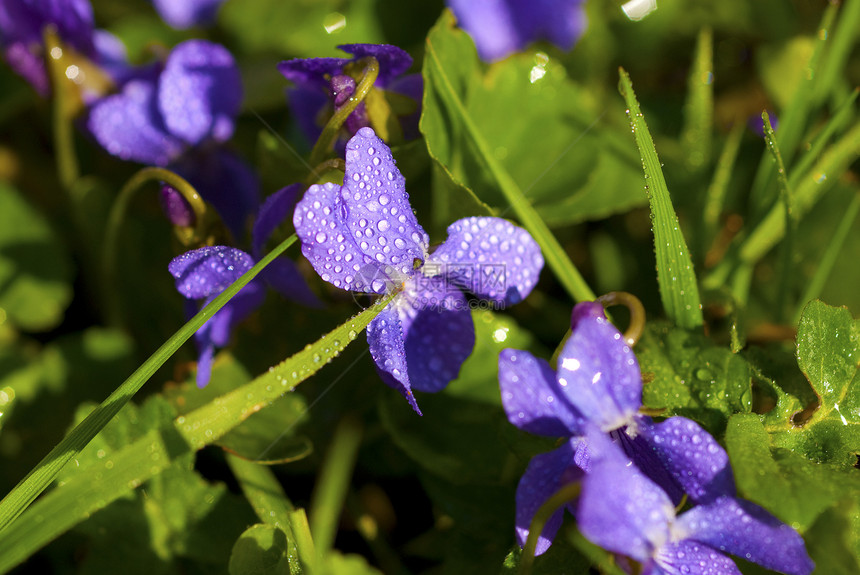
(342, 88)
(176, 207)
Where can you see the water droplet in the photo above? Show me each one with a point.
(320, 237)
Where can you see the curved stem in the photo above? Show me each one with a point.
(64, 145)
(561, 497)
(637, 313)
(329, 134)
(330, 164)
(115, 220)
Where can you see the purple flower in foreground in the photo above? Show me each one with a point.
(363, 237)
(326, 84)
(22, 24)
(625, 512)
(187, 13)
(204, 273)
(599, 385)
(178, 115)
(502, 27)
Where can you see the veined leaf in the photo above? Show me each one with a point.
(678, 289)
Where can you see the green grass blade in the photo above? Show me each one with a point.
(330, 492)
(828, 258)
(844, 39)
(792, 122)
(715, 198)
(789, 222)
(44, 473)
(262, 490)
(678, 289)
(74, 501)
(555, 256)
(699, 108)
(832, 164)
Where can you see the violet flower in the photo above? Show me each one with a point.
(22, 24)
(363, 236)
(625, 512)
(187, 13)
(204, 273)
(502, 27)
(179, 115)
(324, 85)
(599, 385)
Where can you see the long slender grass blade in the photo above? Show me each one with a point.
(678, 289)
(699, 108)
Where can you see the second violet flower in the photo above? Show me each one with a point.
(363, 236)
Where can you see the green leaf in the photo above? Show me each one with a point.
(699, 108)
(447, 68)
(35, 271)
(261, 550)
(686, 374)
(679, 291)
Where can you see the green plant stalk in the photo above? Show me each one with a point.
(844, 39)
(304, 541)
(80, 497)
(554, 254)
(44, 473)
(263, 491)
(828, 259)
(790, 223)
(330, 492)
(329, 133)
(558, 500)
(64, 142)
(116, 217)
(679, 291)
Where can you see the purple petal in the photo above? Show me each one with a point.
(200, 92)
(23, 21)
(393, 61)
(208, 271)
(598, 371)
(30, 65)
(439, 333)
(311, 72)
(500, 27)
(187, 13)
(532, 398)
(283, 275)
(129, 126)
(545, 475)
(492, 258)
(273, 213)
(648, 460)
(620, 509)
(225, 181)
(216, 331)
(748, 531)
(690, 558)
(176, 207)
(387, 348)
(329, 245)
(697, 462)
(377, 207)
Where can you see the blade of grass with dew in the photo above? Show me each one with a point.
(792, 122)
(699, 108)
(715, 197)
(828, 258)
(304, 541)
(330, 492)
(78, 498)
(789, 221)
(678, 289)
(830, 167)
(555, 256)
(844, 38)
(44, 473)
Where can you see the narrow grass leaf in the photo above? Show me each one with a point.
(844, 39)
(554, 254)
(44, 473)
(699, 108)
(715, 198)
(79, 497)
(678, 289)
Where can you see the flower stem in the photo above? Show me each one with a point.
(561, 497)
(110, 247)
(637, 313)
(64, 145)
(332, 128)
